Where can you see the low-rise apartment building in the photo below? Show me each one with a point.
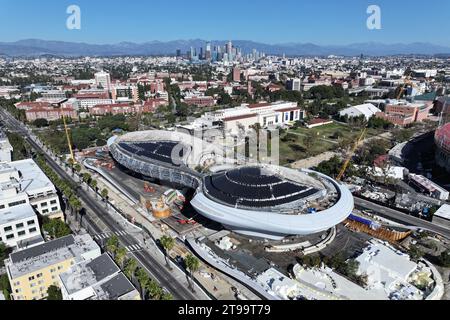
(31, 271)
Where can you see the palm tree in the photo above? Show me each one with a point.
(71, 165)
(167, 296)
(75, 203)
(121, 254)
(143, 279)
(94, 184)
(87, 179)
(104, 195)
(112, 245)
(168, 243)
(130, 268)
(77, 168)
(154, 290)
(192, 264)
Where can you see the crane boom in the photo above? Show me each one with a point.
(349, 158)
(68, 139)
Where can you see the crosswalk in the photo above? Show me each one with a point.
(106, 235)
(134, 247)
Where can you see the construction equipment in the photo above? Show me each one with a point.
(68, 140)
(349, 158)
(148, 188)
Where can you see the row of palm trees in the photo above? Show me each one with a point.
(192, 264)
(148, 287)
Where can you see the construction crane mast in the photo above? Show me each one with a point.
(68, 140)
(350, 156)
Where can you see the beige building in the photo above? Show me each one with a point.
(33, 270)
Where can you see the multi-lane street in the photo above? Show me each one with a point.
(99, 213)
(401, 217)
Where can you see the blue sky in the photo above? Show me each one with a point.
(269, 21)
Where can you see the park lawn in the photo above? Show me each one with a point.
(292, 151)
(327, 131)
(323, 143)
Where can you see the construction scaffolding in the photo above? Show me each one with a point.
(381, 233)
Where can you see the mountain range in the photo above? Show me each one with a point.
(36, 47)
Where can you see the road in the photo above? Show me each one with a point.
(153, 266)
(401, 217)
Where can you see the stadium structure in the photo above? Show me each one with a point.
(258, 200)
(442, 138)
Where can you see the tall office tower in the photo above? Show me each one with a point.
(201, 54)
(192, 53)
(178, 53)
(103, 79)
(229, 47)
(208, 51)
(230, 51)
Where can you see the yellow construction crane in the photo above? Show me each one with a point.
(349, 158)
(68, 140)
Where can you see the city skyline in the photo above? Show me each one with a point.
(321, 23)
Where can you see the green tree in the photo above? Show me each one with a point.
(415, 253)
(130, 268)
(143, 279)
(77, 168)
(54, 293)
(4, 253)
(86, 178)
(192, 265)
(40, 123)
(94, 184)
(5, 286)
(56, 228)
(121, 255)
(154, 290)
(104, 195)
(167, 243)
(112, 245)
(166, 296)
(444, 258)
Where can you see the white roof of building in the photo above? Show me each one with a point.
(387, 269)
(33, 179)
(21, 212)
(443, 212)
(367, 109)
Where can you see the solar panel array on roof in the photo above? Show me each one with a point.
(160, 151)
(249, 187)
(252, 176)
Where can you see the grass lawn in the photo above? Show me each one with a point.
(294, 149)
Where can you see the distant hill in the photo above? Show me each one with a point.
(36, 47)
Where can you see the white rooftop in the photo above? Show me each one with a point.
(16, 213)
(33, 179)
(443, 212)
